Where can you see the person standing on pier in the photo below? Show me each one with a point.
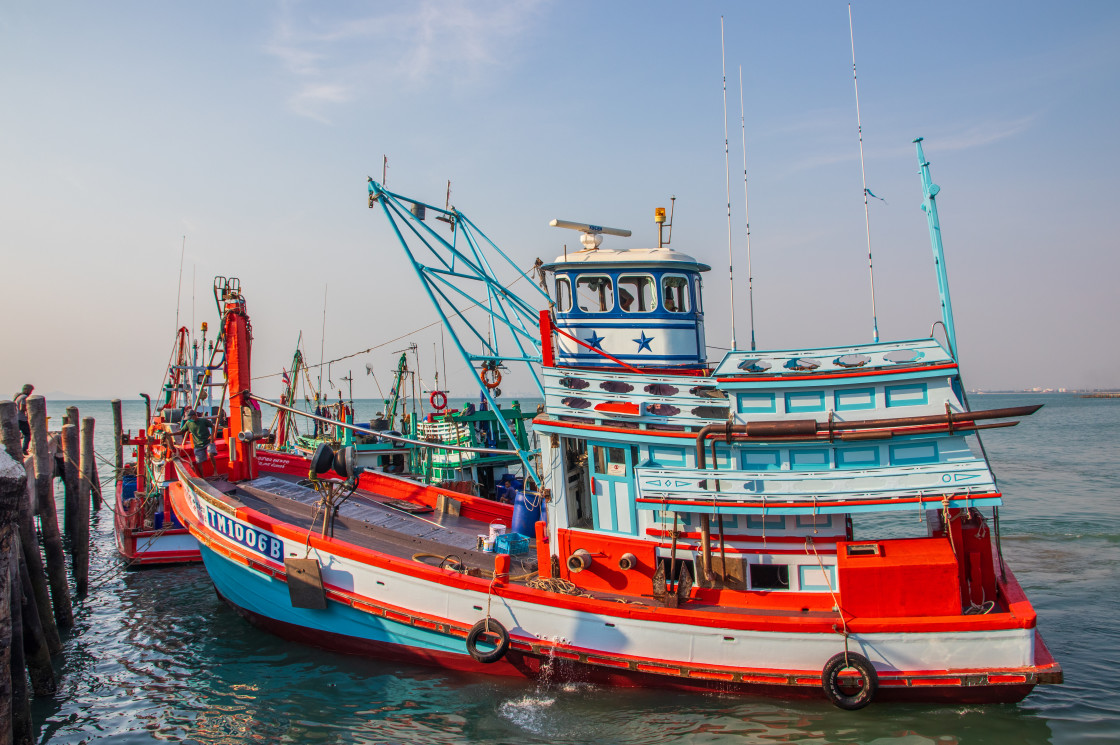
(200, 430)
(21, 409)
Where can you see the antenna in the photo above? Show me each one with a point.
(592, 236)
(727, 174)
(179, 290)
(322, 345)
(863, 175)
(746, 205)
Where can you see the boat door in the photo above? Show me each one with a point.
(612, 486)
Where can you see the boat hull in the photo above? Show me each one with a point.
(141, 547)
(387, 608)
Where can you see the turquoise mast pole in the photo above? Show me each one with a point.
(930, 191)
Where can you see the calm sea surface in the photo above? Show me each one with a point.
(156, 657)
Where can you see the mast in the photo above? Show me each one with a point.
(863, 175)
(747, 205)
(727, 173)
(930, 191)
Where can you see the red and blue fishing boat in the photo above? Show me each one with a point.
(792, 522)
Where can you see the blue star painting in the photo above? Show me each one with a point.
(595, 340)
(643, 342)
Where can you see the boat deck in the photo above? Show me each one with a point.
(402, 529)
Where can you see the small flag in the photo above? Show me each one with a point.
(869, 193)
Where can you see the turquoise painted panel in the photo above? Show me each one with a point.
(761, 460)
(907, 395)
(757, 403)
(667, 456)
(805, 401)
(866, 456)
(810, 578)
(770, 522)
(814, 521)
(913, 455)
(808, 460)
(855, 399)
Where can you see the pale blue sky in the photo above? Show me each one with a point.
(251, 127)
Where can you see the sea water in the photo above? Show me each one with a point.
(155, 656)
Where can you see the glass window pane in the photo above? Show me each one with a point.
(636, 293)
(563, 295)
(595, 293)
(674, 293)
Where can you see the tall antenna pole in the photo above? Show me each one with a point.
(863, 175)
(746, 205)
(322, 345)
(179, 291)
(727, 173)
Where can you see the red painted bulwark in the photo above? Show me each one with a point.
(603, 574)
(909, 577)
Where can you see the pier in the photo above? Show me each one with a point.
(36, 602)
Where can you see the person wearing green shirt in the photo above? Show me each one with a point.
(200, 430)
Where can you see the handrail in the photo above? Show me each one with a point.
(394, 438)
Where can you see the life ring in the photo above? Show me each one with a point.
(438, 400)
(830, 680)
(491, 628)
(491, 377)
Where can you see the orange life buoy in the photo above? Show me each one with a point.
(491, 377)
(438, 400)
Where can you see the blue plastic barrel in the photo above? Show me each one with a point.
(526, 513)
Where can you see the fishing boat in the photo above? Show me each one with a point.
(145, 526)
(794, 522)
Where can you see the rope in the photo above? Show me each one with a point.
(809, 545)
(460, 567)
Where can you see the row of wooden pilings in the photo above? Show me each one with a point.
(35, 598)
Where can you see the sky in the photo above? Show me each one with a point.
(146, 148)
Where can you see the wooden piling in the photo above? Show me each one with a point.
(95, 487)
(118, 438)
(71, 455)
(13, 485)
(36, 646)
(21, 702)
(35, 581)
(9, 429)
(79, 549)
(48, 512)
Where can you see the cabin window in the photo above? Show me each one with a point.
(636, 293)
(609, 461)
(563, 295)
(696, 294)
(674, 293)
(595, 293)
(769, 577)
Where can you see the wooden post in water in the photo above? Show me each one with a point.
(36, 645)
(95, 487)
(21, 702)
(9, 430)
(118, 439)
(79, 549)
(71, 454)
(13, 484)
(44, 493)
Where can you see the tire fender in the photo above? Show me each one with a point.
(830, 680)
(488, 627)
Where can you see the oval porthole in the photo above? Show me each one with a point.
(707, 391)
(616, 386)
(901, 356)
(755, 365)
(661, 389)
(575, 403)
(575, 384)
(711, 412)
(851, 360)
(802, 364)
